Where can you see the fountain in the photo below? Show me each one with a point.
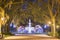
(29, 27)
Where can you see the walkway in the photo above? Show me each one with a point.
(31, 37)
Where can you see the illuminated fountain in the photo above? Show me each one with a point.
(29, 28)
(29, 31)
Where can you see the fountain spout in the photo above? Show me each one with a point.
(29, 31)
(29, 23)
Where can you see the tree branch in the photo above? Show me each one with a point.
(50, 9)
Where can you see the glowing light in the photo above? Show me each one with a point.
(57, 26)
(45, 26)
(2, 18)
(49, 22)
(29, 26)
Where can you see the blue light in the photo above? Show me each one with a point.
(45, 26)
(11, 24)
(14, 26)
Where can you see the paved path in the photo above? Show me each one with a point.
(31, 37)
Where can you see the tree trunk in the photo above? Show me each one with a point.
(53, 29)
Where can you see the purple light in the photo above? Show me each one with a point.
(45, 26)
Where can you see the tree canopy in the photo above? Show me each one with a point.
(40, 11)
